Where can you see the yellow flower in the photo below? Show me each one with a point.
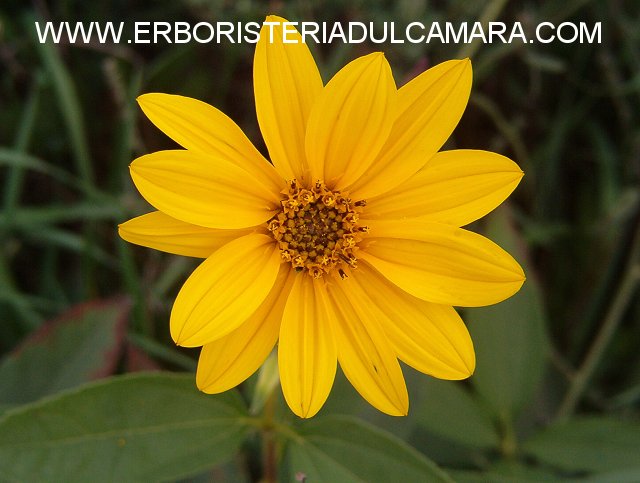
(347, 248)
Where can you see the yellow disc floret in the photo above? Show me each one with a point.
(317, 229)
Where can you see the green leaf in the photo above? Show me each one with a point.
(510, 337)
(80, 346)
(524, 475)
(449, 411)
(488, 476)
(345, 449)
(631, 475)
(507, 470)
(31, 218)
(19, 160)
(142, 427)
(588, 444)
(69, 103)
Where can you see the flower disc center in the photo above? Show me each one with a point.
(317, 229)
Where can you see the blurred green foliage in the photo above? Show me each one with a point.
(557, 389)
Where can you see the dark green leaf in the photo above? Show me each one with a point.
(78, 347)
(445, 452)
(510, 337)
(524, 475)
(451, 412)
(142, 427)
(508, 470)
(595, 444)
(631, 475)
(343, 449)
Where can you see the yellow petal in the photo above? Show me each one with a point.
(442, 264)
(224, 290)
(162, 232)
(203, 190)
(429, 108)
(307, 358)
(228, 361)
(365, 354)
(286, 82)
(351, 121)
(455, 188)
(429, 337)
(197, 126)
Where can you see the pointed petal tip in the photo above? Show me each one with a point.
(200, 385)
(520, 275)
(122, 230)
(400, 410)
(177, 339)
(302, 409)
(153, 98)
(275, 18)
(458, 368)
(457, 63)
(461, 66)
(207, 389)
(374, 57)
(145, 98)
(403, 410)
(134, 167)
(177, 334)
(378, 57)
(306, 413)
(189, 342)
(470, 367)
(464, 367)
(465, 373)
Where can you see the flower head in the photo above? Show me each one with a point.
(345, 248)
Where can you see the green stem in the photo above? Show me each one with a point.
(264, 402)
(269, 453)
(268, 381)
(14, 184)
(161, 352)
(490, 13)
(505, 126)
(607, 331)
(142, 322)
(509, 443)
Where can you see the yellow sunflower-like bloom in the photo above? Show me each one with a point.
(347, 247)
